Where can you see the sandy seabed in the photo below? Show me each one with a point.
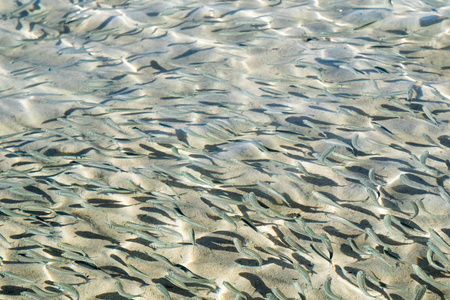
(224, 149)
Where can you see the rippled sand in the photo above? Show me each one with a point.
(224, 149)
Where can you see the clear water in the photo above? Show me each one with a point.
(138, 131)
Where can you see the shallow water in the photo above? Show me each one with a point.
(133, 131)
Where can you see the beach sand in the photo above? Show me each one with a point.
(224, 149)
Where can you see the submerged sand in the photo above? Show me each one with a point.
(297, 129)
